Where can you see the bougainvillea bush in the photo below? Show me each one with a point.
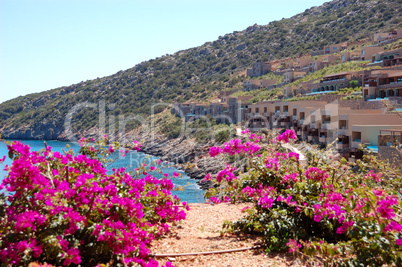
(330, 210)
(68, 209)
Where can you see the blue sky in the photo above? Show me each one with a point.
(45, 44)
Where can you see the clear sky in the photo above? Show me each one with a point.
(45, 44)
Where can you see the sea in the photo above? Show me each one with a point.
(191, 193)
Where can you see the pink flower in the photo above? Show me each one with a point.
(248, 190)
(73, 256)
(384, 207)
(175, 174)
(214, 151)
(399, 242)
(137, 146)
(215, 200)
(207, 177)
(393, 226)
(245, 208)
(317, 218)
(344, 227)
(293, 245)
(227, 174)
(266, 202)
(295, 155)
(286, 135)
(316, 174)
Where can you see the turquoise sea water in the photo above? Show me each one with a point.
(191, 193)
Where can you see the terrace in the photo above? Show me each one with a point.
(343, 142)
(356, 139)
(390, 137)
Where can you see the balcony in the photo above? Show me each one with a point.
(322, 139)
(356, 143)
(343, 130)
(370, 84)
(294, 117)
(313, 125)
(391, 85)
(275, 124)
(334, 80)
(285, 113)
(264, 114)
(301, 121)
(326, 125)
(341, 146)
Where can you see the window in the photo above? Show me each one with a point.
(343, 57)
(335, 48)
(363, 52)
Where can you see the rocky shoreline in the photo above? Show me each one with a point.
(186, 154)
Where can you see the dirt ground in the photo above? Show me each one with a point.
(202, 232)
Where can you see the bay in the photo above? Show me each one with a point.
(192, 193)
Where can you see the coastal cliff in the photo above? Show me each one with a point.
(187, 154)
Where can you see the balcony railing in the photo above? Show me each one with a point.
(341, 146)
(326, 125)
(370, 84)
(356, 143)
(391, 85)
(334, 80)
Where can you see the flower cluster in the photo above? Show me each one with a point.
(227, 174)
(330, 207)
(293, 245)
(288, 134)
(68, 209)
(236, 147)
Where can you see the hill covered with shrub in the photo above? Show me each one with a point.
(196, 73)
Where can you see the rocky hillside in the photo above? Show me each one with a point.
(197, 73)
